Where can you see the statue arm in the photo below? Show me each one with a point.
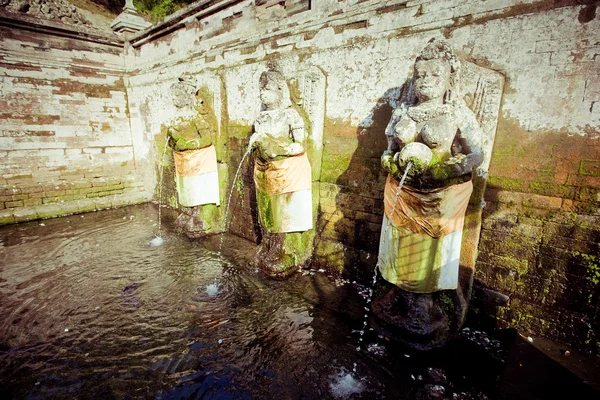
(204, 132)
(255, 138)
(298, 135)
(390, 133)
(469, 138)
(400, 131)
(166, 132)
(469, 156)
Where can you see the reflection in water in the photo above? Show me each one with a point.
(88, 309)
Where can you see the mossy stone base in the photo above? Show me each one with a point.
(421, 321)
(281, 254)
(200, 221)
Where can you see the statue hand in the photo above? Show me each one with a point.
(391, 166)
(172, 142)
(253, 141)
(175, 135)
(387, 160)
(443, 171)
(183, 144)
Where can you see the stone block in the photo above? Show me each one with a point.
(9, 190)
(553, 190)
(81, 184)
(581, 246)
(32, 189)
(584, 180)
(24, 214)
(49, 211)
(52, 152)
(572, 231)
(6, 217)
(103, 203)
(518, 266)
(542, 202)
(54, 193)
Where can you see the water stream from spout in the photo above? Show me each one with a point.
(374, 280)
(237, 173)
(158, 240)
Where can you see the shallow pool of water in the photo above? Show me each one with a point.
(89, 307)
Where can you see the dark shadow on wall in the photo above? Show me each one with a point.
(350, 234)
(242, 218)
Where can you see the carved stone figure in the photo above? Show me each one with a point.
(191, 133)
(438, 135)
(282, 175)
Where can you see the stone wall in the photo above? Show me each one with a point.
(65, 140)
(539, 242)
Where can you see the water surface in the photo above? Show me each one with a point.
(89, 308)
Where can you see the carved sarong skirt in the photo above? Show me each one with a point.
(421, 234)
(284, 194)
(196, 176)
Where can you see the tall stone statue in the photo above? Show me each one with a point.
(282, 176)
(191, 133)
(435, 133)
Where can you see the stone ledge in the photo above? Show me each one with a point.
(25, 22)
(23, 214)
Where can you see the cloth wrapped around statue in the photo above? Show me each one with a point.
(196, 176)
(421, 236)
(286, 201)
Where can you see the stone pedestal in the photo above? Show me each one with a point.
(129, 21)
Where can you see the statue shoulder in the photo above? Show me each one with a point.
(465, 117)
(398, 114)
(293, 118)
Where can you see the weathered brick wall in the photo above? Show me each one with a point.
(65, 141)
(540, 237)
(539, 242)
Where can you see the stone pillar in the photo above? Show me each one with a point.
(129, 21)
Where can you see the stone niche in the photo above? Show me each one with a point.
(482, 90)
(427, 318)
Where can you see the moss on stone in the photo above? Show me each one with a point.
(509, 184)
(239, 131)
(172, 202)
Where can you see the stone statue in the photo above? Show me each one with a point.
(191, 133)
(282, 175)
(435, 133)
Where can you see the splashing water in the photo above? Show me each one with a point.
(162, 168)
(374, 281)
(235, 177)
(344, 384)
(212, 289)
(157, 241)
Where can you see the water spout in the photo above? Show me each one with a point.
(374, 280)
(157, 241)
(237, 173)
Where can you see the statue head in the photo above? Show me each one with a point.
(274, 91)
(203, 101)
(183, 92)
(436, 72)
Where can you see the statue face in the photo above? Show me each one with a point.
(270, 95)
(201, 105)
(432, 79)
